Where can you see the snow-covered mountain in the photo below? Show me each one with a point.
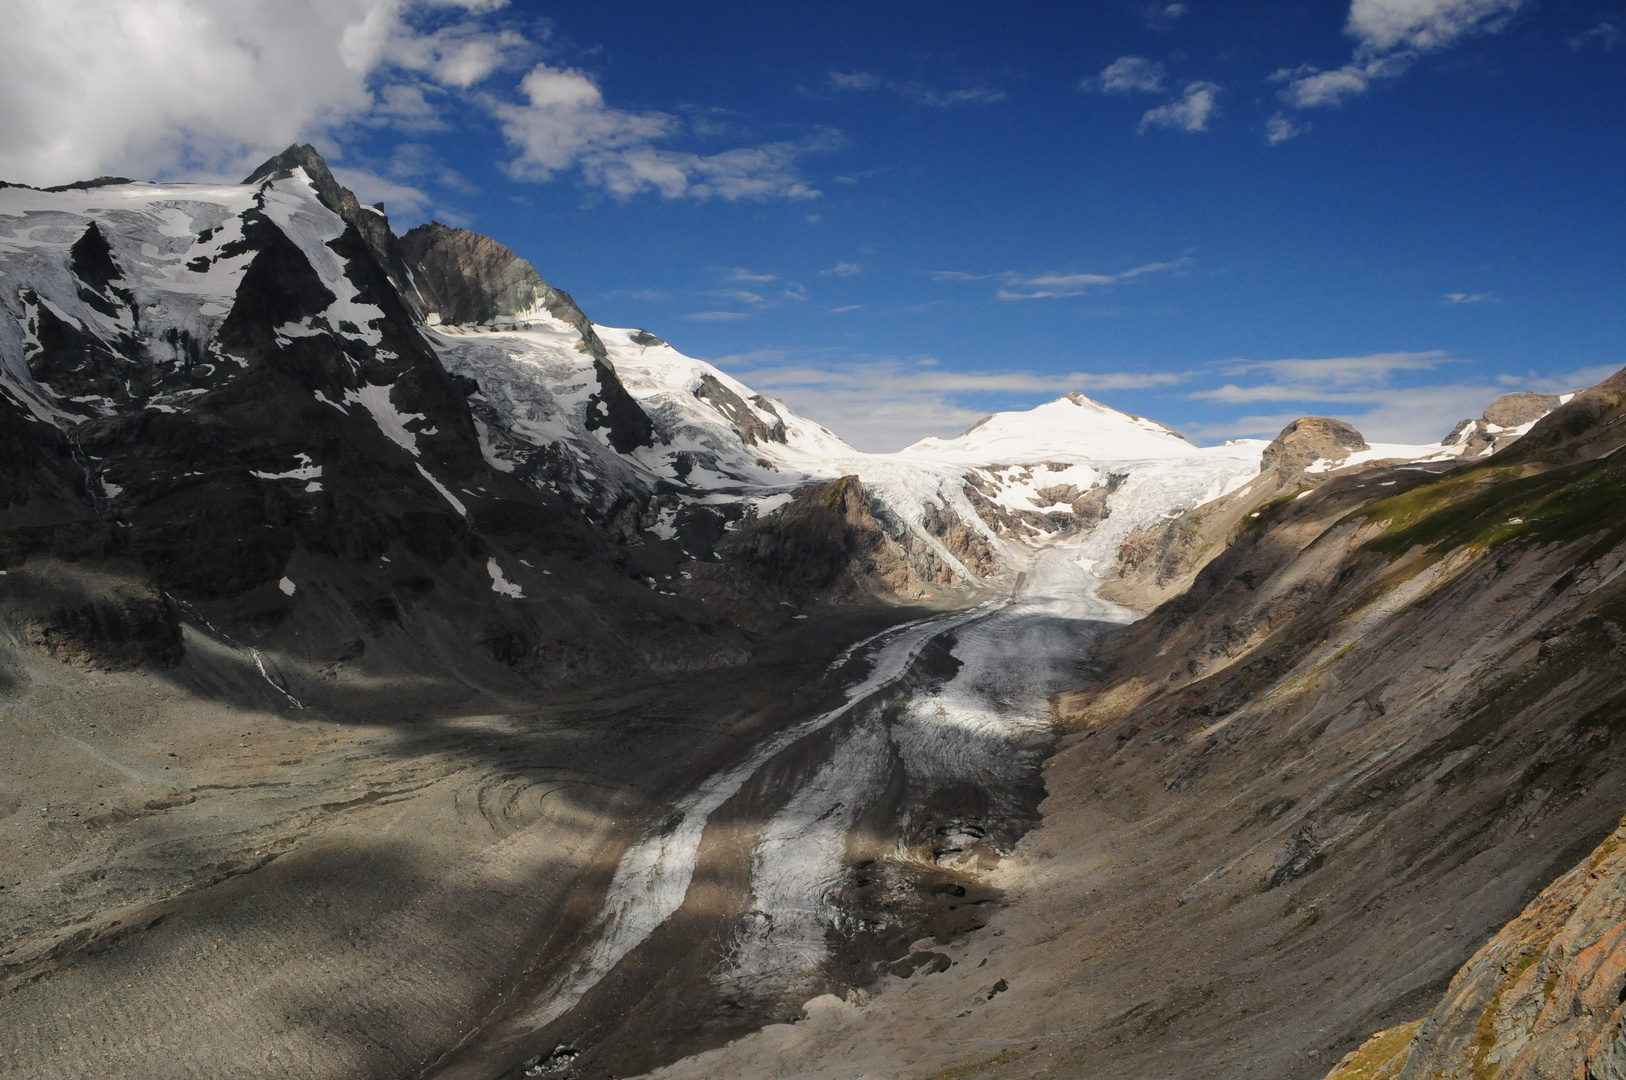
(270, 354)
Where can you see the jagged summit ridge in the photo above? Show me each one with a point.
(290, 273)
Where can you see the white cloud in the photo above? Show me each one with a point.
(1390, 36)
(886, 403)
(958, 275)
(1279, 128)
(716, 316)
(1128, 75)
(842, 269)
(740, 273)
(211, 87)
(1191, 113)
(1381, 26)
(741, 295)
(854, 80)
(1379, 393)
(917, 92)
(1605, 36)
(1469, 298)
(567, 124)
(848, 307)
(1048, 286)
(402, 200)
(1162, 16)
(460, 55)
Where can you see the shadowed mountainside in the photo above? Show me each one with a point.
(1302, 794)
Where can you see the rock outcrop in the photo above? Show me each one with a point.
(1507, 418)
(1545, 997)
(825, 545)
(1161, 561)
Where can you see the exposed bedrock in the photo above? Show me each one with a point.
(1543, 998)
(825, 545)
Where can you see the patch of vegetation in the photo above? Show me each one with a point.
(1381, 1057)
(1263, 516)
(1492, 505)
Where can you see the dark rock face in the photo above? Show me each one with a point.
(1308, 440)
(462, 277)
(1498, 427)
(467, 278)
(750, 426)
(825, 543)
(368, 221)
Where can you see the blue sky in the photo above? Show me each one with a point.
(900, 217)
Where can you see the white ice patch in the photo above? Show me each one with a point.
(665, 526)
(391, 421)
(305, 471)
(500, 584)
(457, 504)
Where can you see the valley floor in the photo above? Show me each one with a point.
(194, 887)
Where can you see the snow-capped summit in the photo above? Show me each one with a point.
(1072, 426)
(295, 351)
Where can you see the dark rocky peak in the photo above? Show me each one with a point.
(86, 185)
(1498, 427)
(369, 221)
(1515, 410)
(1590, 425)
(466, 278)
(91, 259)
(1310, 439)
(751, 427)
(461, 277)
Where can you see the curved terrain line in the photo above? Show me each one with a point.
(653, 877)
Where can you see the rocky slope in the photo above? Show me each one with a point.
(1161, 560)
(362, 603)
(1302, 794)
(1542, 998)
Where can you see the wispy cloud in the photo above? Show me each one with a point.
(1605, 36)
(744, 296)
(1470, 298)
(885, 403)
(1279, 128)
(958, 275)
(566, 124)
(649, 296)
(845, 307)
(1049, 286)
(842, 269)
(1197, 105)
(1159, 16)
(1128, 75)
(740, 273)
(915, 92)
(1336, 378)
(1390, 36)
(1387, 396)
(716, 316)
